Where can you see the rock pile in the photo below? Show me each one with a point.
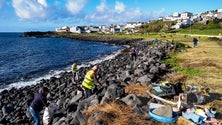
(115, 74)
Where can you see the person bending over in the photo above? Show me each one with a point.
(88, 83)
(38, 103)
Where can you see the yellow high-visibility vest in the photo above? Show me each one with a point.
(74, 68)
(88, 82)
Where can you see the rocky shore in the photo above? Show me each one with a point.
(83, 37)
(115, 74)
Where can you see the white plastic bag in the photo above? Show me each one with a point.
(49, 113)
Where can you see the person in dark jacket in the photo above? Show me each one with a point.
(195, 42)
(38, 103)
(133, 53)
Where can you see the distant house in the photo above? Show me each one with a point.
(219, 10)
(196, 18)
(177, 26)
(210, 15)
(160, 18)
(182, 23)
(218, 16)
(63, 29)
(186, 15)
(133, 25)
(94, 29)
(176, 14)
(116, 29)
(104, 29)
(169, 18)
(172, 18)
(186, 22)
(75, 29)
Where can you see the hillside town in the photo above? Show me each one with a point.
(183, 19)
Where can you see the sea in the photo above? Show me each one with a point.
(27, 60)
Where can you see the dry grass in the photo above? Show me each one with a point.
(113, 113)
(206, 57)
(177, 78)
(137, 90)
(116, 114)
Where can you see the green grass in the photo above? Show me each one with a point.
(173, 62)
(217, 31)
(190, 71)
(213, 27)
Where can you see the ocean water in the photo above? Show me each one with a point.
(26, 60)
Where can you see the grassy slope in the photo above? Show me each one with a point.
(206, 57)
(213, 27)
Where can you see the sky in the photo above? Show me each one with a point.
(46, 15)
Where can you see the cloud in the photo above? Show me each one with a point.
(70, 12)
(42, 2)
(120, 13)
(102, 7)
(119, 7)
(75, 6)
(30, 9)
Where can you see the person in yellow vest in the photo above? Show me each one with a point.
(88, 83)
(75, 71)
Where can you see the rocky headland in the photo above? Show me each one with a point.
(115, 74)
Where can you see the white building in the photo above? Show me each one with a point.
(176, 14)
(116, 29)
(219, 10)
(93, 29)
(104, 29)
(196, 18)
(187, 22)
(177, 26)
(63, 29)
(186, 15)
(218, 16)
(133, 25)
(75, 29)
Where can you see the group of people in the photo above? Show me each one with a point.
(88, 85)
(40, 99)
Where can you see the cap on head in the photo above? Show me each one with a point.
(95, 68)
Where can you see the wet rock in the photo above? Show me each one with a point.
(76, 98)
(144, 80)
(87, 102)
(78, 118)
(7, 110)
(61, 121)
(154, 69)
(131, 100)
